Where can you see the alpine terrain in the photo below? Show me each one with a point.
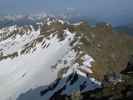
(49, 58)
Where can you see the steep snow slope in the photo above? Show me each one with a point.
(35, 68)
(67, 86)
(31, 60)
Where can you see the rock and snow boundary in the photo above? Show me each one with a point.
(33, 69)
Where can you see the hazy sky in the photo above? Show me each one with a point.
(111, 10)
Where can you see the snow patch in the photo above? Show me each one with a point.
(87, 61)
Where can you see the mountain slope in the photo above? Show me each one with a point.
(74, 57)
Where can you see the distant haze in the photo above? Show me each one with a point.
(113, 11)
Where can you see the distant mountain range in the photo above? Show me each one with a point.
(92, 21)
(20, 20)
(127, 28)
